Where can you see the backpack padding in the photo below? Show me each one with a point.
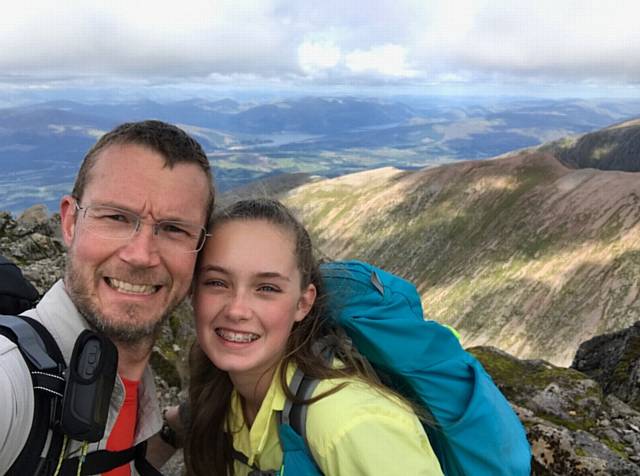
(46, 407)
(296, 456)
(29, 342)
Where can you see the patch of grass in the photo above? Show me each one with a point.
(516, 375)
(615, 446)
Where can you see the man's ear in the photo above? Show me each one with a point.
(68, 218)
(305, 303)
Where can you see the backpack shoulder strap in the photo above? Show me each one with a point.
(298, 411)
(101, 461)
(46, 364)
(297, 458)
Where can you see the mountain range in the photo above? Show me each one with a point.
(41, 145)
(529, 252)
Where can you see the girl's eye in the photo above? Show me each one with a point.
(268, 288)
(217, 283)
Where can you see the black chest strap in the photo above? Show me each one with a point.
(101, 461)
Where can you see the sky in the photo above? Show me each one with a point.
(541, 47)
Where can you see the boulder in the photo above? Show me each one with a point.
(613, 360)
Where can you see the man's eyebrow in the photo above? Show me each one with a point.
(124, 208)
(99, 203)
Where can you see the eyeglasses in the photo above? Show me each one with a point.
(117, 224)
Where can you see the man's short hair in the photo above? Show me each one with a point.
(171, 142)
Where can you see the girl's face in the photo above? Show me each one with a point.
(247, 296)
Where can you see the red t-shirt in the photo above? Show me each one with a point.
(124, 430)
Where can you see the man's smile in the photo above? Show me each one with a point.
(131, 288)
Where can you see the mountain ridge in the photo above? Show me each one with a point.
(613, 148)
(520, 252)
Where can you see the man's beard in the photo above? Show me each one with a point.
(130, 331)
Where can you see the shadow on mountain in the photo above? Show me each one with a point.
(614, 148)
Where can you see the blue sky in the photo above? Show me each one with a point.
(543, 47)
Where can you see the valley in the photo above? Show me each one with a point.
(42, 144)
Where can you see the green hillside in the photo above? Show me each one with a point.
(520, 252)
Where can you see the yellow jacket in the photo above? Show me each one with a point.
(355, 431)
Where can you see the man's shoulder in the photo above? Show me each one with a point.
(7, 346)
(57, 313)
(16, 410)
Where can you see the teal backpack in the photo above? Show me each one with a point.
(476, 432)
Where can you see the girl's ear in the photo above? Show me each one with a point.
(305, 303)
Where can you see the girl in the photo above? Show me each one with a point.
(258, 303)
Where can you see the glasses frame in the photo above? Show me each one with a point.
(139, 221)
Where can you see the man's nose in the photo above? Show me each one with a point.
(142, 248)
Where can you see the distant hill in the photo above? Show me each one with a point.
(41, 145)
(614, 148)
(275, 185)
(520, 252)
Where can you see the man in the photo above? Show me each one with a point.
(133, 225)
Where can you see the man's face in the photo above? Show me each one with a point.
(126, 287)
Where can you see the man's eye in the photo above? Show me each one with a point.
(174, 229)
(109, 214)
(115, 217)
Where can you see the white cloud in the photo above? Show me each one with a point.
(331, 41)
(317, 56)
(389, 60)
(566, 39)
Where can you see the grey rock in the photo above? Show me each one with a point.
(35, 214)
(613, 360)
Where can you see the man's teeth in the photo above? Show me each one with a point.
(232, 336)
(130, 288)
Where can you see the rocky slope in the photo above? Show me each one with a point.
(521, 252)
(613, 148)
(613, 360)
(574, 425)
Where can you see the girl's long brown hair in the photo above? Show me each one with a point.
(208, 448)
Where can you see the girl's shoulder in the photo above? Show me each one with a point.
(356, 403)
(354, 391)
(355, 429)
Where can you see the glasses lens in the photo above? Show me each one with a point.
(183, 235)
(110, 222)
(114, 223)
